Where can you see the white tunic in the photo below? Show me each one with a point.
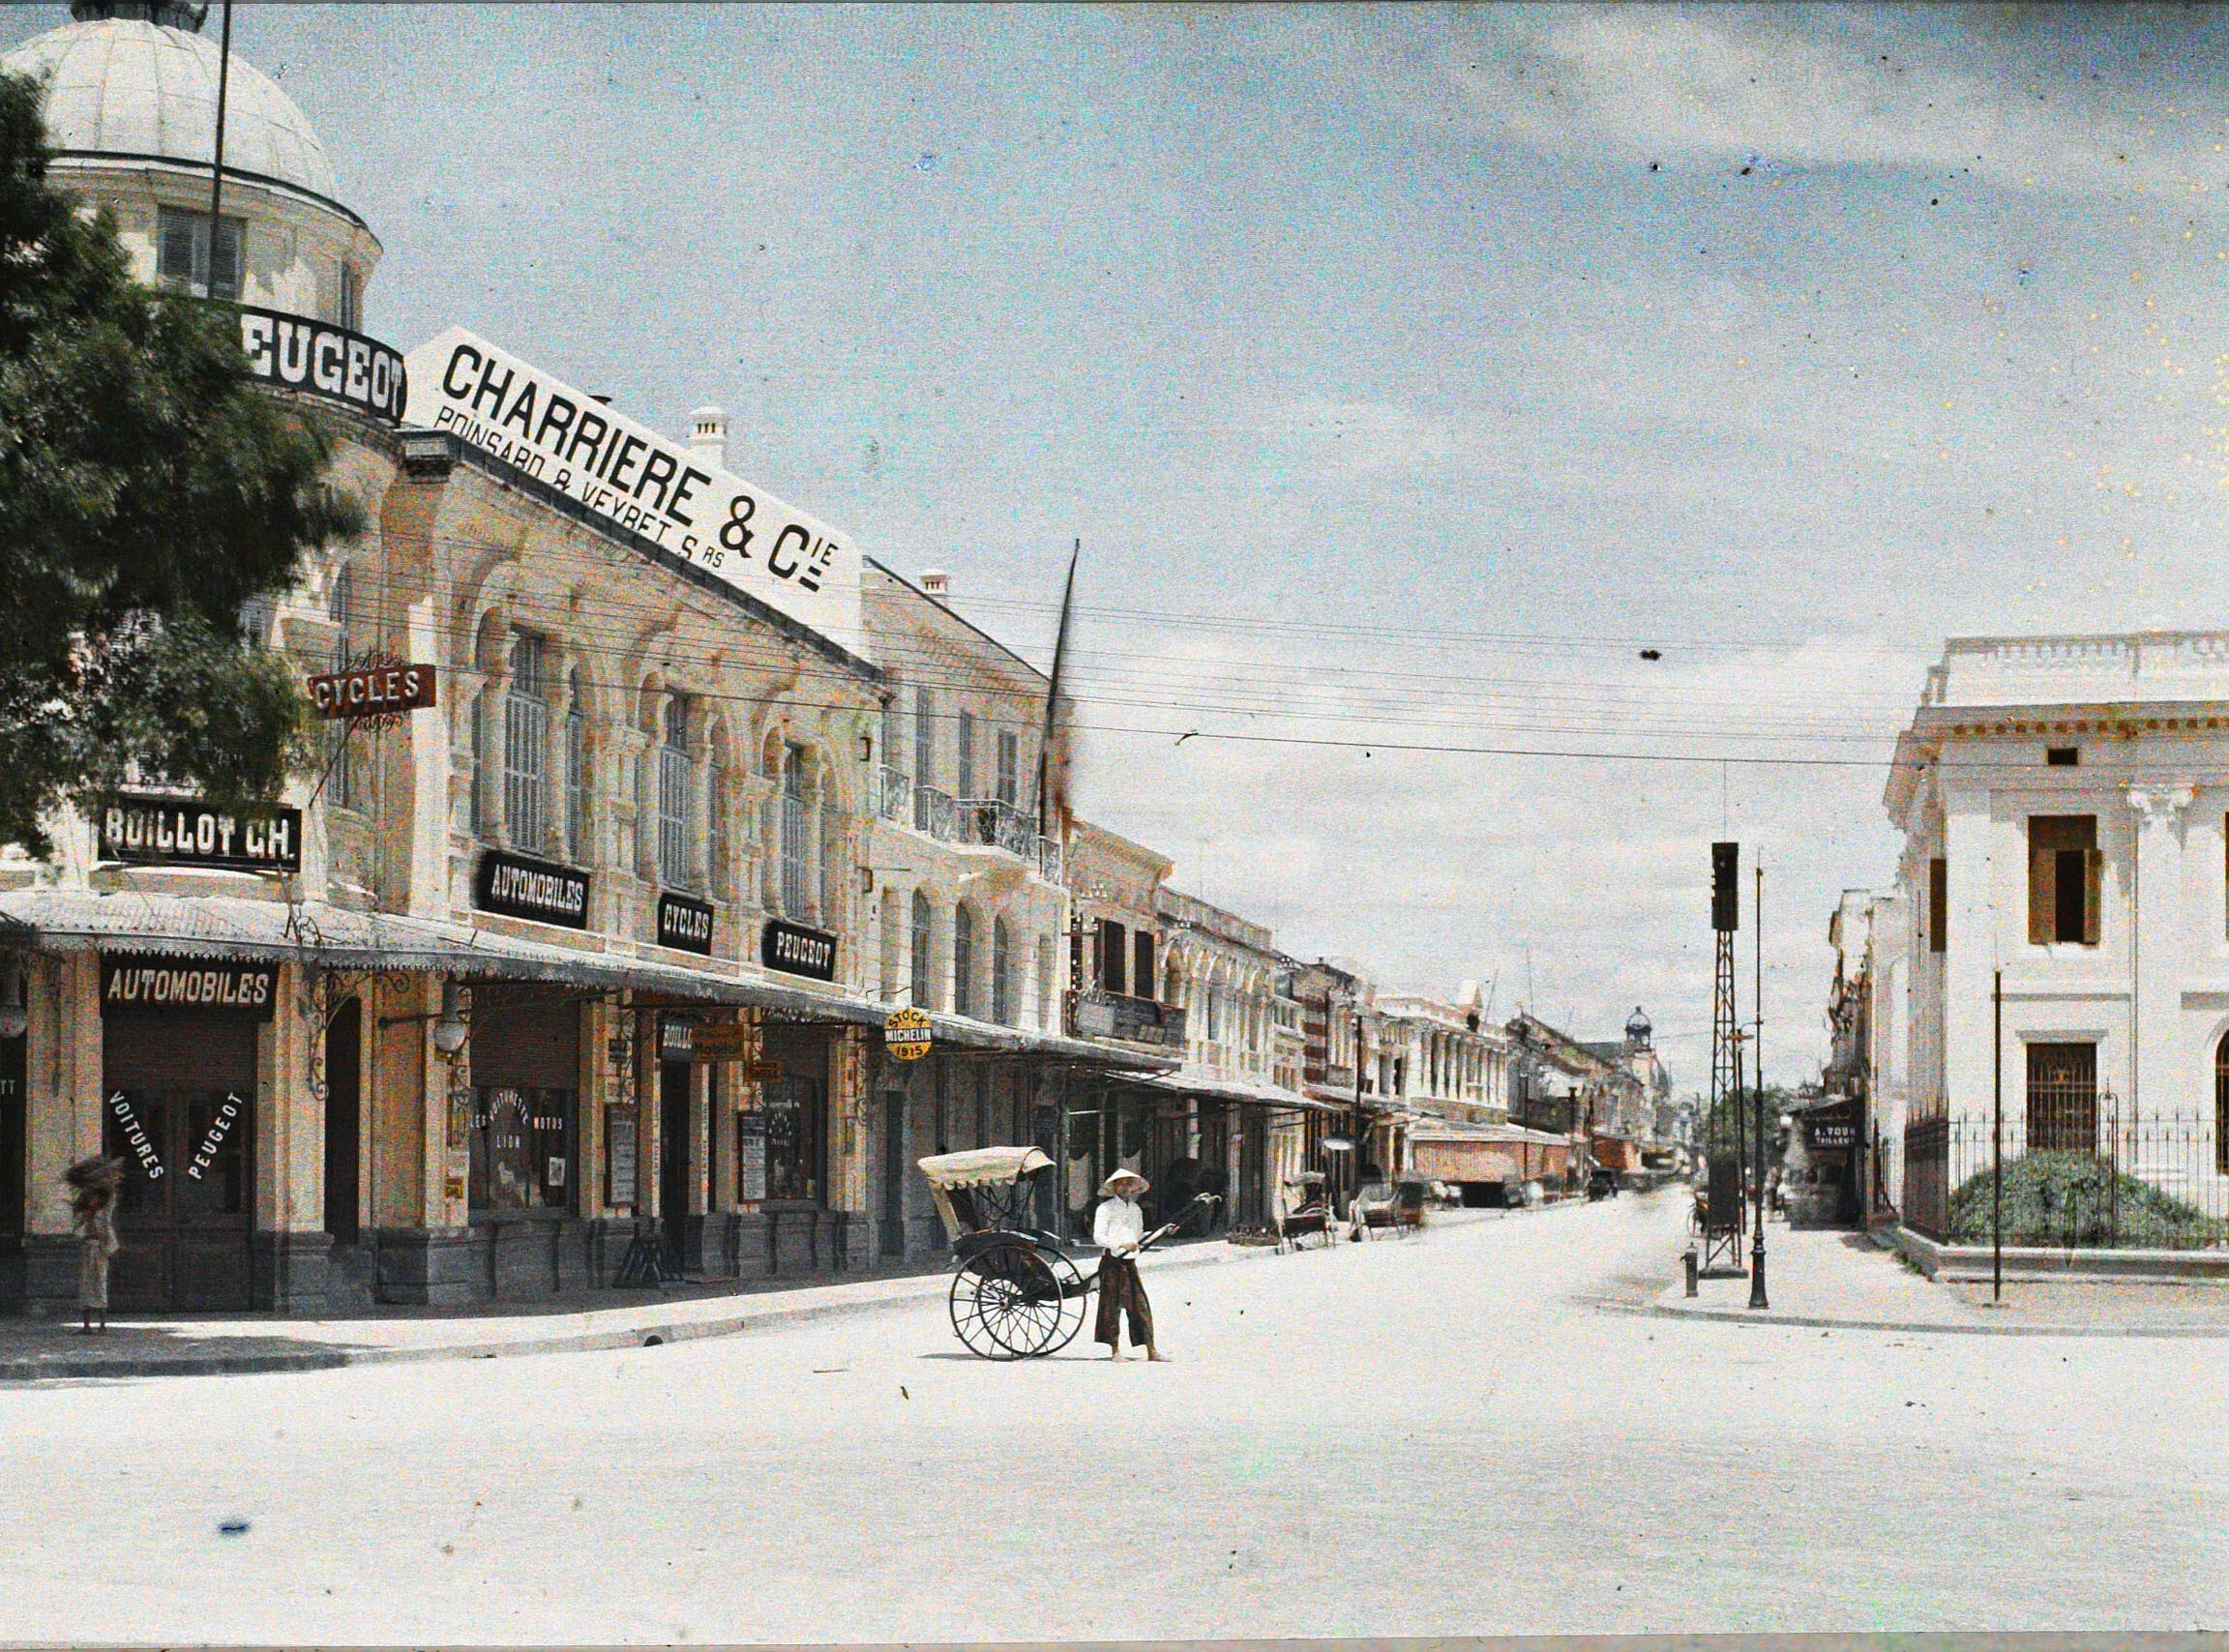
(1117, 1226)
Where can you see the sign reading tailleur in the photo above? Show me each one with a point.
(639, 481)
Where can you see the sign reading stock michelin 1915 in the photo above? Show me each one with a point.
(636, 478)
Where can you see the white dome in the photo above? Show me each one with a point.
(128, 88)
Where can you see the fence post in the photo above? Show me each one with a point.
(1997, 1146)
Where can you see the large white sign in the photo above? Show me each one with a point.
(638, 480)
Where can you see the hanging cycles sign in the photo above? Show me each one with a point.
(630, 476)
(186, 832)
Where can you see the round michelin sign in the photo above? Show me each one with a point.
(906, 1035)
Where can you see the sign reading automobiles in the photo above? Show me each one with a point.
(136, 981)
(186, 832)
(298, 353)
(796, 950)
(639, 481)
(522, 888)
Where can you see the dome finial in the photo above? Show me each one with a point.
(165, 13)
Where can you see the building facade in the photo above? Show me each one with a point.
(2064, 813)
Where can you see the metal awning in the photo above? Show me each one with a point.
(1241, 1091)
(319, 933)
(1448, 1130)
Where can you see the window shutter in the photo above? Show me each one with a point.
(1938, 904)
(2093, 896)
(2042, 885)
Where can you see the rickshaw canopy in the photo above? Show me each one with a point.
(984, 1166)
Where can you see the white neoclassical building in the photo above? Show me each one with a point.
(2064, 804)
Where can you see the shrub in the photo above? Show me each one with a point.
(2052, 1197)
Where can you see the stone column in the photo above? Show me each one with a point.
(2163, 1077)
(62, 1099)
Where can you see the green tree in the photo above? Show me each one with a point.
(149, 492)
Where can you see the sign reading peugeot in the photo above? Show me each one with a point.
(645, 484)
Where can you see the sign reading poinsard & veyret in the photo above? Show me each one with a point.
(648, 484)
(795, 950)
(518, 887)
(144, 830)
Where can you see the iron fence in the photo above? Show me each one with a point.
(2079, 1171)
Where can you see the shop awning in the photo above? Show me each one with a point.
(317, 933)
(1447, 1130)
(1241, 1091)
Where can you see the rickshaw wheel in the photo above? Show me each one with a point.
(1075, 1292)
(1007, 1303)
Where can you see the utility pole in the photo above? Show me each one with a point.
(217, 160)
(1757, 1297)
(1997, 1145)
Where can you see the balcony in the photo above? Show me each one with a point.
(994, 823)
(1139, 1020)
(894, 796)
(935, 813)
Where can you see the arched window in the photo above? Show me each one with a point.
(525, 743)
(676, 782)
(2221, 1105)
(577, 769)
(796, 843)
(918, 964)
(346, 784)
(1001, 973)
(962, 962)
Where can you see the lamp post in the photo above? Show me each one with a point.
(1757, 1297)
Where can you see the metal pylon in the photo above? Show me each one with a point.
(1722, 1242)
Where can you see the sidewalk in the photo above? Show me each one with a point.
(1836, 1279)
(45, 1350)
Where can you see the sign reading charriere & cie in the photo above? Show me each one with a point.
(186, 832)
(517, 887)
(796, 950)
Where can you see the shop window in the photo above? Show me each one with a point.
(182, 253)
(794, 1127)
(1938, 904)
(2063, 879)
(676, 784)
(964, 780)
(917, 968)
(521, 1149)
(962, 962)
(1009, 768)
(527, 744)
(1113, 937)
(1001, 973)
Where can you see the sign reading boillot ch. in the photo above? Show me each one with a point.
(142, 830)
(639, 481)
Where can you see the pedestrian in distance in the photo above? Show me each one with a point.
(1118, 1229)
(92, 1184)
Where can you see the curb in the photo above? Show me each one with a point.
(1765, 1320)
(68, 1368)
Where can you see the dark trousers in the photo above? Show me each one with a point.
(1121, 1291)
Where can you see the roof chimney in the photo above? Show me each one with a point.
(709, 436)
(935, 581)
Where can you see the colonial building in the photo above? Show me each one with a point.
(2064, 814)
(568, 963)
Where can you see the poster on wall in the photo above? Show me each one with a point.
(750, 1155)
(619, 1158)
(628, 474)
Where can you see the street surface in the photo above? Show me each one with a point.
(1430, 1438)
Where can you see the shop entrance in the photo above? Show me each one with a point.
(179, 1108)
(15, 1180)
(893, 1173)
(674, 1152)
(344, 1119)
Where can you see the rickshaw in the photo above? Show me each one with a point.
(1017, 1292)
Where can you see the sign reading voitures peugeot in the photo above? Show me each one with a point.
(636, 478)
(517, 887)
(298, 353)
(186, 832)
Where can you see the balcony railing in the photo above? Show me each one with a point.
(1049, 860)
(996, 824)
(1116, 1015)
(896, 796)
(935, 813)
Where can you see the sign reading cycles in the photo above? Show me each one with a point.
(638, 480)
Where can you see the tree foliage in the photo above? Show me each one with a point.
(150, 491)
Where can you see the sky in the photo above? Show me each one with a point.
(1405, 372)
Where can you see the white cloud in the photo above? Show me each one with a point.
(1831, 87)
(1350, 438)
